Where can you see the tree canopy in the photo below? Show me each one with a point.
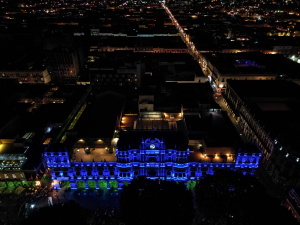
(46, 180)
(156, 202)
(229, 197)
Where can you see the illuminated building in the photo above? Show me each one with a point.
(138, 44)
(65, 63)
(27, 76)
(12, 159)
(159, 141)
(161, 155)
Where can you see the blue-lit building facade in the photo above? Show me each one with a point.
(165, 158)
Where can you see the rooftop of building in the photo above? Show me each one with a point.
(215, 155)
(157, 124)
(94, 155)
(251, 63)
(112, 60)
(133, 139)
(63, 49)
(11, 148)
(15, 96)
(141, 42)
(32, 60)
(99, 119)
(214, 128)
(150, 26)
(275, 105)
(169, 97)
(259, 89)
(248, 148)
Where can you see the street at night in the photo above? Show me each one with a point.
(149, 112)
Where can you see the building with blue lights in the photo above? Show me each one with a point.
(162, 155)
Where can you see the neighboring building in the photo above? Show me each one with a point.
(65, 63)
(34, 115)
(12, 159)
(181, 73)
(243, 66)
(96, 125)
(157, 44)
(126, 74)
(248, 66)
(292, 202)
(125, 69)
(27, 76)
(268, 113)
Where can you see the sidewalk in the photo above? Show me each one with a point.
(233, 121)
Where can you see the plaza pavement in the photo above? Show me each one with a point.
(90, 199)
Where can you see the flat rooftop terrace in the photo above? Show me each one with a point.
(98, 155)
(156, 42)
(197, 156)
(252, 63)
(9, 148)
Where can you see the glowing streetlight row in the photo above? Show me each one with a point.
(216, 155)
(184, 36)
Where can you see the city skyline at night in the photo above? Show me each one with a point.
(189, 108)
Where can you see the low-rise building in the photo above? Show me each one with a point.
(267, 112)
(292, 202)
(12, 158)
(65, 63)
(30, 76)
(243, 66)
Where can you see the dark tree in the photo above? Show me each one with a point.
(229, 197)
(69, 213)
(46, 180)
(156, 202)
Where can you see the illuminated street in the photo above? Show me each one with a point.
(184, 36)
(121, 112)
